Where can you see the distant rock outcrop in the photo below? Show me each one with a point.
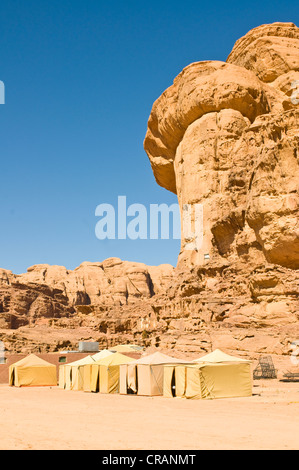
(53, 291)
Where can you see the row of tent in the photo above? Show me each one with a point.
(215, 375)
(34, 371)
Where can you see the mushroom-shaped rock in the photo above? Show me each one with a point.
(225, 136)
(201, 88)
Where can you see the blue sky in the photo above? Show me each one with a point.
(80, 79)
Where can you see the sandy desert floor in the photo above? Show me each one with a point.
(48, 418)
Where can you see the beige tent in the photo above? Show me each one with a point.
(70, 376)
(103, 376)
(216, 375)
(145, 376)
(32, 371)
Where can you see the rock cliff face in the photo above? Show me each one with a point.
(111, 282)
(54, 292)
(26, 304)
(225, 137)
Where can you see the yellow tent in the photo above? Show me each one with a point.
(104, 375)
(216, 375)
(222, 380)
(32, 371)
(145, 376)
(85, 370)
(70, 375)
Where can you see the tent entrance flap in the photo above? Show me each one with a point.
(109, 379)
(180, 381)
(157, 374)
(150, 379)
(87, 378)
(123, 380)
(132, 378)
(169, 372)
(95, 379)
(193, 383)
(172, 384)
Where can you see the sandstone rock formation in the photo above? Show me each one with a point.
(224, 136)
(53, 291)
(29, 303)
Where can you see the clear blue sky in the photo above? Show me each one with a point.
(81, 77)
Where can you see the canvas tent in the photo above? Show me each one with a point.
(85, 370)
(215, 375)
(32, 371)
(104, 374)
(145, 376)
(70, 376)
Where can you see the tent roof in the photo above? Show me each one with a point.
(81, 362)
(32, 361)
(219, 356)
(126, 348)
(115, 360)
(102, 354)
(158, 358)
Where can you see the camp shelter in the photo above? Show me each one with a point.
(104, 375)
(123, 348)
(32, 371)
(219, 380)
(215, 375)
(70, 376)
(85, 370)
(145, 376)
(219, 356)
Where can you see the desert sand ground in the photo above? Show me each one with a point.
(49, 418)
